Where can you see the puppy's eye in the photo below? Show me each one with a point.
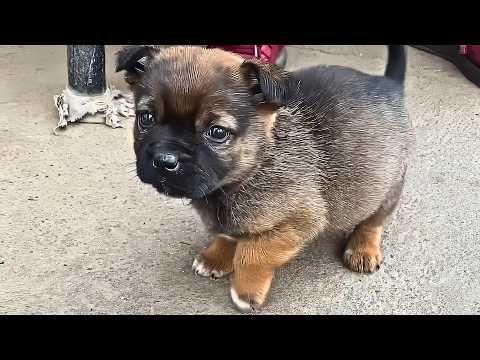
(145, 119)
(218, 134)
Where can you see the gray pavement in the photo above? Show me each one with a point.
(81, 235)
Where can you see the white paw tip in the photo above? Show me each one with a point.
(200, 269)
(242, 305)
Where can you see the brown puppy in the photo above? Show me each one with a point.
(270, 159)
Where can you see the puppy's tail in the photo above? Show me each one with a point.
(397, 63)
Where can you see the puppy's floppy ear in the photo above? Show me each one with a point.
(267, 83)
(133, 59)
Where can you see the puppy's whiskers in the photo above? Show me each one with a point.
(204, 194)
(148, 85)
(131, 163)
(162, 182)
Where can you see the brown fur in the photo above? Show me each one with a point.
(219, 255)
(257, 257)
(269, 116)
(363, 252)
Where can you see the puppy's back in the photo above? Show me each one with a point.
(348, 83)
(360, 129)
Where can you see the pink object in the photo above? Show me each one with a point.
(266, 53)
(472, 52)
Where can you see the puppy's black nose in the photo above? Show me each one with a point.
(165, 160)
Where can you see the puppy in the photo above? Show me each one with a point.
(270, 159)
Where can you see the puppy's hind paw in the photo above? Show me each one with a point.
(363, 261)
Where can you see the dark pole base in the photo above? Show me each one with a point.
(87, 93)
(86, 69)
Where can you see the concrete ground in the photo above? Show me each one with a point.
(81, 235)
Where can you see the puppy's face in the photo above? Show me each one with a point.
(202, 116)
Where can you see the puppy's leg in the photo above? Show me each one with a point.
(254, 263)
(217, 260)
(363, 253)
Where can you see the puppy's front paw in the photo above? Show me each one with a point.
(216, 260)
(244, 304)
(363, 260)
(250, 288)
(201, 266)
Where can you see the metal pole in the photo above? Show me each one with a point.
(86, 69)
(87, 93)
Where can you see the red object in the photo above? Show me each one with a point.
(266, 53)
(472, 52)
